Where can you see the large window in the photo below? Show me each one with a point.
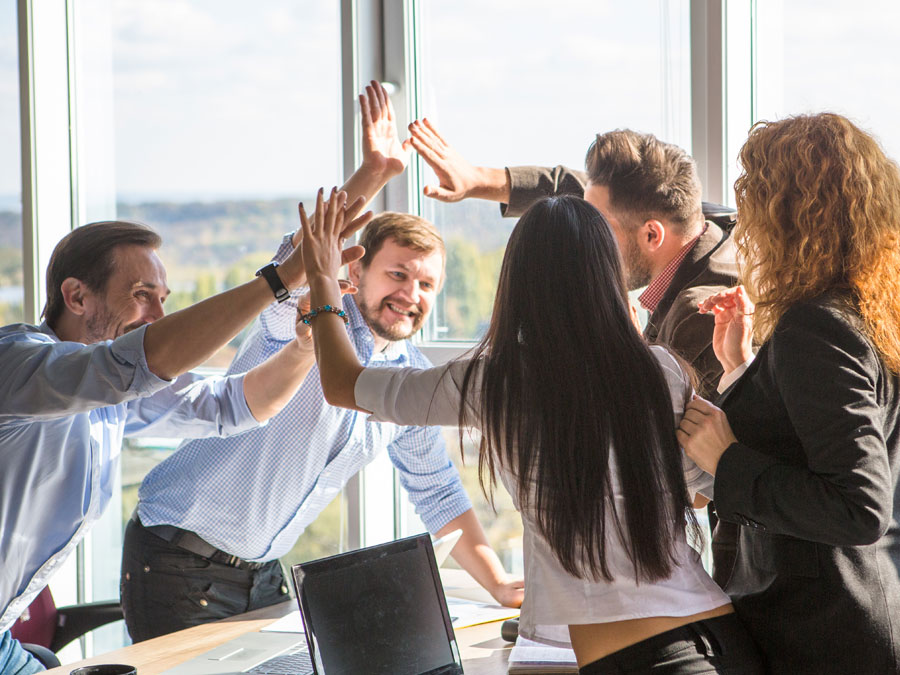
(11, 281)
(533, 84)
(207, 120)
(193, 123)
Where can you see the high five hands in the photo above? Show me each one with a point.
(325, 232)
(457, 177)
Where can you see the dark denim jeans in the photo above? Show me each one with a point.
(165, 588)
(719, 645)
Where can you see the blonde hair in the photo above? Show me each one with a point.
(819, 210)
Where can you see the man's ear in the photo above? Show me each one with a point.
(74, 294)
(354, 271)
(651, 235)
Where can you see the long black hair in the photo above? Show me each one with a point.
(566, 378)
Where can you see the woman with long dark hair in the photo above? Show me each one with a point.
(576, 415)
(806, 454)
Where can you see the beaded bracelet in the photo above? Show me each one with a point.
(326, 308)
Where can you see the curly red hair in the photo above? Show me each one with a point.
(818, 210)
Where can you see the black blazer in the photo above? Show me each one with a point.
(812, 483)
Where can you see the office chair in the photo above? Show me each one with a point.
(44, 628)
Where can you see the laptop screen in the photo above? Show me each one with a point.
(377, 610)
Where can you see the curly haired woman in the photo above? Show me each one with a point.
(806, 447)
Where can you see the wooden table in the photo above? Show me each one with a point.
(482, 649)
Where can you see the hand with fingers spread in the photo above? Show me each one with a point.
(323, 236)
(733, 334)
(383, 153)
(458, 179)
(353, 222)
(705, 434)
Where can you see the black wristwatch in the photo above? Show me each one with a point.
(270, 274)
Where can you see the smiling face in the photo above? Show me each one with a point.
(397, 290)
(134, 295)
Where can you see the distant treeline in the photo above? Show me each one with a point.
(211, 246)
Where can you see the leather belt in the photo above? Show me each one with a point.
(187, 540)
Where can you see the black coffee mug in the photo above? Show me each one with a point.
(105, 669)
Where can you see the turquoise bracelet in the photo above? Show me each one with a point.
(325, 308)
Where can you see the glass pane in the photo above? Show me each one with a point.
(207, 120)
(827, 55)
(541, 83)
(12, 294)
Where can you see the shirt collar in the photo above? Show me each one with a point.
(46, 330)
(657, 288)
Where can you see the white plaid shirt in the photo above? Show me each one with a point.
(252, 495)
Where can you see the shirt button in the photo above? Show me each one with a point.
(283, 589)
(146, 568)
(127, 576)
(204, 602)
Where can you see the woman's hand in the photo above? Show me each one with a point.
(705, 434)
(324, 234)
(733, 334)
(382, 151)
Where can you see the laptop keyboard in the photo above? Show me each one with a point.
(297, 663)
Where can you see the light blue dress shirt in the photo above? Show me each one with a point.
(253, 495)
(64, 409)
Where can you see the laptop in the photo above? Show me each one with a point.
(380, 609)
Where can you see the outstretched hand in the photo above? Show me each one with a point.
(325, 233)
(733, 333)
(458, 179)
(353, 221)
(382, 151)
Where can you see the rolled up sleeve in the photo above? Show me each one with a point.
(43, 378)
(193, 407)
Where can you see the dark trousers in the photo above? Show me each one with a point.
(718, 645)
(165, 588)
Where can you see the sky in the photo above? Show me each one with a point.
(228, 98)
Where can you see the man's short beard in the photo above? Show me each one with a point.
(637, 268)
(99, 327)
(392, 333)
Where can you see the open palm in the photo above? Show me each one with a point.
(382, 150)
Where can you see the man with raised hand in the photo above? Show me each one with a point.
(213, 519)
(650, 194)
(107, 363)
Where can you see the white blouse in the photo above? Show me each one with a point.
(553, 597)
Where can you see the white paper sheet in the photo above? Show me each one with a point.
(290, 623)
